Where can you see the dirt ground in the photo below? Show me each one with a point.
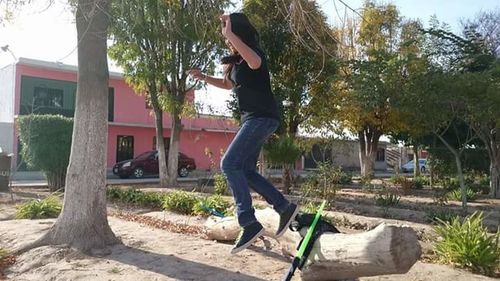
(154, 254)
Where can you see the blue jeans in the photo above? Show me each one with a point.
(239, 167)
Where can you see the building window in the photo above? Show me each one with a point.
(111, 104)
(166, 141)
(48, 97)
(380, 155)
(124, 148)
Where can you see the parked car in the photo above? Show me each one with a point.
(408, 167)
(147, 164)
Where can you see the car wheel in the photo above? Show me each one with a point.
(422, 169)
(183, 172)
(138, 173)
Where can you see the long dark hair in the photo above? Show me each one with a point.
(241, 27)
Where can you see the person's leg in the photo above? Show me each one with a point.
(232, 165)
(261, 185)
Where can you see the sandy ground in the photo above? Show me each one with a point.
(152, 254)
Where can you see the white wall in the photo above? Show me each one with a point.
(7, 137)
(7, 94)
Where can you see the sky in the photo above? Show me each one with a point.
(49, 34)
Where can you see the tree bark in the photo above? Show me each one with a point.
(173, 152)
(387, 249)
(416, 164)
(368, 144)
(287, 177)
(83, 222)
(160, 146)
(160, 143)
(460, 173)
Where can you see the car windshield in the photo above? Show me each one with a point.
(143, 156)
(422, 161)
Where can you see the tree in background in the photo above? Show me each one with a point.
(46, 145)
(369, 81)
(156, 42)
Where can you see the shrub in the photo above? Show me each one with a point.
(468, 244)
(435, 216)
(221, 185)
(419, 182)
(323, 183)
(204, 206)
(451, 183)
(46, 145)
(136, 197)
(456, 194)
(180, 202)
(49, 207)
(387, 198)
(397, 179)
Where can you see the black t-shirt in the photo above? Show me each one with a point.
(253, 90)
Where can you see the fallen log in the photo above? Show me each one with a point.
(386, 249)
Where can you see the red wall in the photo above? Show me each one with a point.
(192, 143)
(131, 117)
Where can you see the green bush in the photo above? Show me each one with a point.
(49, 207)
(180, 202)
(397, 179)
(323, 183)
(468, 244)
(419, 182)
(46, 145)
(456, 194)
(214, 202)
(387, 198)
(435, 216)
(451, 183)
(136, 197)
(221, 185)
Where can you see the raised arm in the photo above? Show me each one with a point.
(250, 56)
(217, 82)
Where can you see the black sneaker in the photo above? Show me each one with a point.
(247, 236)
(286, 218)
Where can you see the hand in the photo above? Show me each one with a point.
(226, 25)
(196, 74)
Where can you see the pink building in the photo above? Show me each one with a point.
(32, 86)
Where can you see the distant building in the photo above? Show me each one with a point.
(39, 87)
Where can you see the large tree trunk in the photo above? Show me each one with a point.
(494, 154)
(173, 152)
(416, 164)
(461, 179)
(287, 177)
(495, 179)
(83, 223)
(368, 144)
(160, 143)
(387, 249)
(160, 146)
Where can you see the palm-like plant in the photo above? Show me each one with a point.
(283, 151)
